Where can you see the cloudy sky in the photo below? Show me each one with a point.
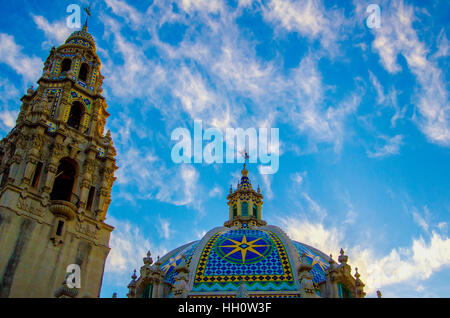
(363, 116)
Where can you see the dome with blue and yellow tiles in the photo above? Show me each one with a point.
(248, 254)
(263, 258)
(82, 38)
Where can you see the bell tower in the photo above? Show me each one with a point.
(56, 174)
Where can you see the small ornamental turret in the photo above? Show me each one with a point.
(148, 260)
(378, 294)
(132, 286)
(342, 257)
(245, 204)
(30, 91)
(158, 262)
(181, 279)
(305, 278)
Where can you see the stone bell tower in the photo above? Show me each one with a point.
(56, 175)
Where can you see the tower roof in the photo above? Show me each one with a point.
(82, 38)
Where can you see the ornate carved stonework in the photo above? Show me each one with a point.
(27, 206)
(86, 229)
(48, 164)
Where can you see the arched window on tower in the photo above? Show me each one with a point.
(66, 65)
(234, 211)
(255, 211)
(64, 181)
(75, 116)
(83, 73)
(244, 208)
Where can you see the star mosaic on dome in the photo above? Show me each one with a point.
(244, 250)
(256, 257)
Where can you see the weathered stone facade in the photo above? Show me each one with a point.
(56, 175)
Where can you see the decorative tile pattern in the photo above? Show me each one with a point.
(168, 267)
(100, 152)
(256, 257)
(51, 127)
(57, 92)
(79, 42)
(320, 264)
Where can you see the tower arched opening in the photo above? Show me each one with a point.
(65, 180)
(66, 65)
(76, 115)
(83, 73)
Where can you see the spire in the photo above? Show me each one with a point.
(88, 14)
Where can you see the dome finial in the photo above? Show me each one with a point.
(245, 171)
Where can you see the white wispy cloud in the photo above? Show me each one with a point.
(56, 32)
(128, 245)
(215, 192)
(164, 228)
(9, 108)
(396, 37)
(390, 147)
(11, 54)
(207, 6)
(401, 265)
(213, 68)
(131, 15)
(298, 179)
(310, 18)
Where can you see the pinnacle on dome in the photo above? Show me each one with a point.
(245, 203)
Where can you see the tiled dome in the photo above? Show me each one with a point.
(82, 38)
(263, 258)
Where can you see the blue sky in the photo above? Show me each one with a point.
(363, 115)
